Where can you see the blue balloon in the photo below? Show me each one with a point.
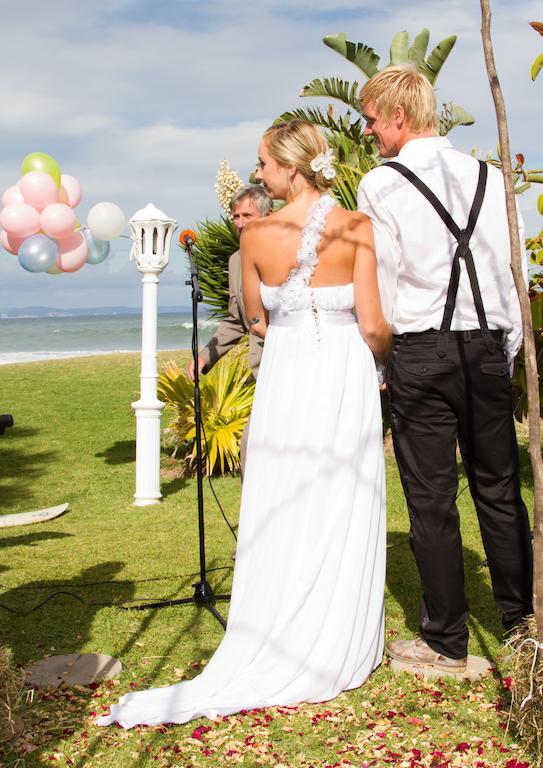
(98, 249)
(37, 253)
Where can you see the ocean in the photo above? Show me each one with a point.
(24, 339)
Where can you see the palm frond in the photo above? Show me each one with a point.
(341, 124)
(451, 116)
(362, 56)
(217, 241)
(399, 48)
(334, 88)
(432, 66)
(417, 51)
(226, 395)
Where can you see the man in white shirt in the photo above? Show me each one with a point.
(444, 269)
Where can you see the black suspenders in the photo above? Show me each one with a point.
(463, 251)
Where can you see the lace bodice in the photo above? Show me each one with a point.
(296, 293)
(332, 298)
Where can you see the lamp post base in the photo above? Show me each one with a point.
(143, 502)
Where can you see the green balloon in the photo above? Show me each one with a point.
(39, 161)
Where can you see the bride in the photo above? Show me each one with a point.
(306, 615)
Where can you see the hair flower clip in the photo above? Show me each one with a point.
(323, 162)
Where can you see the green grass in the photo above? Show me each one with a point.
(73, 440)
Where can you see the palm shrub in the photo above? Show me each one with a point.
(226, 395)
(217, 241)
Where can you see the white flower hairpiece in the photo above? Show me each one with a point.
(323, 162)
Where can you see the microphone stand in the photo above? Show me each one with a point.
(203, 593)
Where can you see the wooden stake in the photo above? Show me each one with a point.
(532, 377)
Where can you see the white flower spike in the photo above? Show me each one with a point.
(323, 162)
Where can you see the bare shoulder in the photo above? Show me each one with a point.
(257, 229)
(352, 225)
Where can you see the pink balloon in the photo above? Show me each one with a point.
(9, 242)
(71, 189)
(12, 195)
(57, 220)
(39, 189)
(20, 220)
(72, 253)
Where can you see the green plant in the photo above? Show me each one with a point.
(217, 241)
(226, 399)
(538, 61)
(534, 247)
(366, 61)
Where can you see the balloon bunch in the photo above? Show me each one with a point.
(40, 225)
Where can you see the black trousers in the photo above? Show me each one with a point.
(434, 402)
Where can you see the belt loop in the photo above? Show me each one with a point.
(467, 337)
(442, 343)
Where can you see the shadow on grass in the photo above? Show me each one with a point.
(19, 469)
(172, 486)
(58, 615)
(121, 452)
(30, 539)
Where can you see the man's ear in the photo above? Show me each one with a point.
(399, 116)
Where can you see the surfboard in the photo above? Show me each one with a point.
(29, 518)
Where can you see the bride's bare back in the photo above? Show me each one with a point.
(275, 240)
(346, 254)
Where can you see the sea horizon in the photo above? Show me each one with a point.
(32, 338)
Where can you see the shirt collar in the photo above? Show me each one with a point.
(421, 147)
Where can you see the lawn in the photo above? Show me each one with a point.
(64, 582)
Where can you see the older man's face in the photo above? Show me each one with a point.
(244, 211)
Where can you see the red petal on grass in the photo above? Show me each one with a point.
(516, 764)
(507, 683)
(199, 732)
(462, 747)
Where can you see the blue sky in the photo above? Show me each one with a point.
(141, 100)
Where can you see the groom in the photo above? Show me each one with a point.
(442, 244)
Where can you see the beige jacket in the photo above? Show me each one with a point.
(234, 327)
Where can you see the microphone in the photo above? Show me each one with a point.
(187, 238)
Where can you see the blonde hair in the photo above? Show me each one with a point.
(296, 142)
(403, 86)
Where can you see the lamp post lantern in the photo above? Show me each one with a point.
(152, 231)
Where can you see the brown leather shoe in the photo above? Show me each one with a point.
(418, 653)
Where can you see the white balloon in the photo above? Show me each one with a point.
(105, 221)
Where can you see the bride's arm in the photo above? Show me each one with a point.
(254, 309)
(373, 326)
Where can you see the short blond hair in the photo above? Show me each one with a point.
(403, 86)
(297, 142)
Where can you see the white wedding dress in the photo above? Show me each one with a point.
(306, 615)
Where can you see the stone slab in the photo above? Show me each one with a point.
(72, 669)
(477, 668)
(29, 518)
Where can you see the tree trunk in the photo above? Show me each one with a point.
(532, 377)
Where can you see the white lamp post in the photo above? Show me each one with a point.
(151, 234)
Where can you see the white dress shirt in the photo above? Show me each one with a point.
(415, 249)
